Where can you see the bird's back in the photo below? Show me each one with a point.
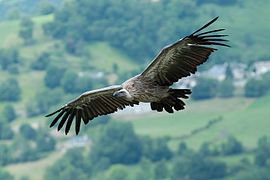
(144, 90)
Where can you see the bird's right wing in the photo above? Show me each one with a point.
(181, 59)
(88, 106)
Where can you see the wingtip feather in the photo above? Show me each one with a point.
(48, 115)
(206, 25)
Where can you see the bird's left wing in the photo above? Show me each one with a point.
(182, 58)
(88, 106)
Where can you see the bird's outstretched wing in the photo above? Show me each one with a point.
(180, 59)
(89, 105)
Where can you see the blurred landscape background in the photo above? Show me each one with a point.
(52, 50)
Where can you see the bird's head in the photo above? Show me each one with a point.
(122, 93)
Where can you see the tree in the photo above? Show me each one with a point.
(205, 89)
(9, 58)
(74, 165)
(161, 170)
(262, 153)
(180, 168)
(68, 82)
(118, 172)
(41, 62)
(202, 168)
(72, 83)
(156, 149)
(53, 76)
(41, 105)
(5, 175)
(183, 150)
(5, 152)
(197, 168)
(226, 88)
(5, 131)
(46, 7)
(63, 169)
(10, 90)
(26, 30)
(232, 146)
(28, 132)
(255, 88)
(205, 150)
(229, 73)
(221, 2)
(83, 84)
(9, 113)
(23, 150)
(121, 142)
(45, 143)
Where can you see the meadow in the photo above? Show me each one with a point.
(211, 121)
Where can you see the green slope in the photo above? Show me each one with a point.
(245, 119)
(26, 169)
(104, 57)
(9, 30)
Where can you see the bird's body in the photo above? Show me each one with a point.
(153, 85)
(143, 90)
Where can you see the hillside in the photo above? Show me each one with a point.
(239, 117)
(91, 55)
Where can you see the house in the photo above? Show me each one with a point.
(217, 72)
(75, 142)
(260, 67)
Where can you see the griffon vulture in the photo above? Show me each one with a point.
(174, 62)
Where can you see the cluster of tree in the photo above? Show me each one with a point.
(117, 148)
(42, 61)
(21, 8)
(123, 146)
(10, 90)
(258, 87)
(9, 59)
(5, 130)
(69, 80)
(262, 154)
(8, 115)
(219, 2)
(210, 88)
(26, 30)
(43, 101)
(27, 145)
(140, 32)
(5, 175)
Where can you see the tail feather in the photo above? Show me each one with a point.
(173, 101)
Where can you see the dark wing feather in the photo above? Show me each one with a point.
(182, 58)
(88, 106)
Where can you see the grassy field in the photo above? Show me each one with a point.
(34, 170)
(246, 119)
(104, 56)
(246, 30)
(9, 31)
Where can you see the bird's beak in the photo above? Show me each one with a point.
(115, 94)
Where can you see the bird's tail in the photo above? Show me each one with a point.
(173, 101)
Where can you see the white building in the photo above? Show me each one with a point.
(261, 67)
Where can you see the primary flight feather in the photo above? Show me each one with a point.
(174, 62)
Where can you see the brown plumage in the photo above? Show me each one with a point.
(174, 62)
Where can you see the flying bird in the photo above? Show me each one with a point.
(173, 62)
